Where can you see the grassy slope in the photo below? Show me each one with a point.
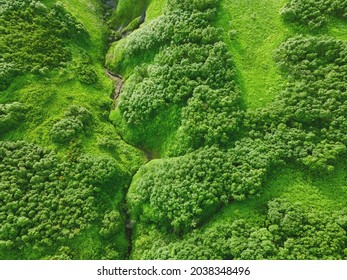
(155, 9)
(260, 31)
(126, 11)
(115, 59)
(50, 96)
(258, 36)
(337, 29)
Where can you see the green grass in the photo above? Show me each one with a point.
(155, 9)
(89, 12)
(260, 31)
(155, 141)
(338, 29)
(126, 11)
(49, 96)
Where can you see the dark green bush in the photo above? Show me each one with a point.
(32, 38)
(314, 14)
(11, 116)
(48, 200)
(74, 122)
(289, 231)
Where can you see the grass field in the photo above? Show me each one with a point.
(155, 9)
(259, 30)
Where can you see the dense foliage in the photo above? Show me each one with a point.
(75, 121)
(37, 33)
(192, 70)
(289, 231)
(183, 98)
(181, 191)
(85, 71)
(66, 203)
(11, 115)
(47, 200)
(310, 115)
(314, 14)
(304, 125)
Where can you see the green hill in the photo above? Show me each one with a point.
(200, 129)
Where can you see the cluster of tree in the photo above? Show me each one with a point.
(176, 26)
(192, 5)
(32, 38)
(192, 71)
(310, 116)
(289, 231)
(181, 192)
(11, 116)
(48, 200)
(314, 13)
(75, 121)
(306, 124)
(85, 72)
(111, 223)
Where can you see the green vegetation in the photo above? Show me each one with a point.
(70, 184)
(155, 9)
(11, 115)
(288, 231)
(252, 32)
(75, 120)
(49, 201)
(314, 14)
(37, 32)
(192, 71)
(126, 11)
(301, 126)
(238, 110)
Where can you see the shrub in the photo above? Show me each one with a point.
(11, 116)
(75, 121)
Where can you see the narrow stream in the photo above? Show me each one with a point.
(118, 86)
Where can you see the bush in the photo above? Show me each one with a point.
(49, 200)
(181, 192)
(289, 231)
(11, 116)
(33, 38)
(75, 121)
(313, 14)
(193, 57)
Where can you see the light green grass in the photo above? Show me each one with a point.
(126, 11)
(260, 31)
(338, 29)
(155, 9)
